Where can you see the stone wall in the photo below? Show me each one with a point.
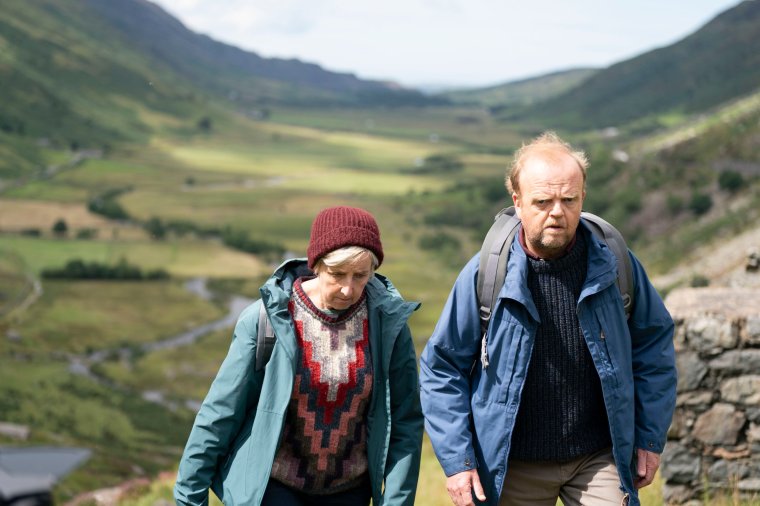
(714, 440)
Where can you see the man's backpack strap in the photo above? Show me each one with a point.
(494, 255)
(612, 237)
(265, 338)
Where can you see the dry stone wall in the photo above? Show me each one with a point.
(714, 440)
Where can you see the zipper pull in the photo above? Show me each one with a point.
(484, 352)
(601, 335)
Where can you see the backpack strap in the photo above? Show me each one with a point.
(494, 257)
(603, 230)
(265, 338)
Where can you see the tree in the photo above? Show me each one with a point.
(60, 228)
(155, 228)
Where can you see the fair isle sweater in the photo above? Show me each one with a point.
(324, 442)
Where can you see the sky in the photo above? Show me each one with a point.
(448, 43)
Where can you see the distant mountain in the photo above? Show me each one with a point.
(522, 92)
(717, 63)
(78, 73)
(148, 29)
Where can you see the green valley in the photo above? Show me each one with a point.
(116, 152)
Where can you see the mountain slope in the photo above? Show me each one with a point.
(719, 62)
(77, 73)
(147, 28)
(522, 92)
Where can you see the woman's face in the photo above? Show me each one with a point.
(341, 286)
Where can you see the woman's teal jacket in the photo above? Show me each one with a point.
(236, 433)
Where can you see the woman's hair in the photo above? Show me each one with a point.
(547, 144)
(345, 255)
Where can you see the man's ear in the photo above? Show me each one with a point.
(518, 204)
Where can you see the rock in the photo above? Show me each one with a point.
(742, 390)
(751, 334)
(679, 465)
(726, 472)
(753, 414)
(711, 334)
(702, 398)
(749, 485)
(691, 370)
(687, 304)
(736, 361)
(681, 425)
(753, 433)
(720, 425)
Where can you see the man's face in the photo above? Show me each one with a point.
(550, 202)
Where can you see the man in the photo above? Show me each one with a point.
(575, 401)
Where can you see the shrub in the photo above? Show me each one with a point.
(106, 205)
(155, 228)
(731, 181)
(239, 240)
(60, 228)
(86, 233)
(700, 203)
(78, 269)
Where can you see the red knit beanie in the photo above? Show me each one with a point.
(337, 227)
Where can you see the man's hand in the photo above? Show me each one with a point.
(462, 485)
(646, 465)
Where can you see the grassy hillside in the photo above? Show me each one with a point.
(717, 63)
(523, 92)
(86, 73)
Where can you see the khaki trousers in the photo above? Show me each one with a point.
(588, 481)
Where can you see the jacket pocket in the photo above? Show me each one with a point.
(506, 350)
(608, 367)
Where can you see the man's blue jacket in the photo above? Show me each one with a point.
(470, 411)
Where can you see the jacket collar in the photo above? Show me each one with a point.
(602, 271)
(382, 297)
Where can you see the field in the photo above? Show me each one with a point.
(77, 364)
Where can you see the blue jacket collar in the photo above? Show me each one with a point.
(602, 271)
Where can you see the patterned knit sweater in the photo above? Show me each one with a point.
(324, 442)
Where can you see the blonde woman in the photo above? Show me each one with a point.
(334, 418)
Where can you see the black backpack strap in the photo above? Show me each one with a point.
(604, 231)
(494, 256)
(265, 338)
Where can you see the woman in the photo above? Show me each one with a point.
(334, 418)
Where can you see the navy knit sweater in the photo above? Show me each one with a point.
(561, 415)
